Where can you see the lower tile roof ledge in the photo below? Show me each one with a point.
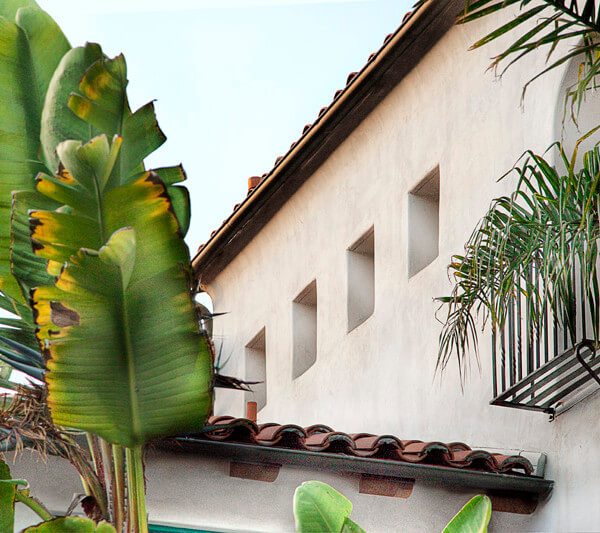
(529, 485)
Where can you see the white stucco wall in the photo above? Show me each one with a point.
(379, 377)
(189, 491)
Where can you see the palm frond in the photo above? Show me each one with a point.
(545, 25)
(530, 245)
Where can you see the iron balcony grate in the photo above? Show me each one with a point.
(552, 385)
(536, 365)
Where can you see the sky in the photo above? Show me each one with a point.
(234, 81)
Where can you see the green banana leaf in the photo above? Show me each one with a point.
(9, 8)
(71, 524)
(319, 508)
(351, 527)
(59, 123)
(125, 358)
(7, 498)
(31, 46)
(474, 517)
(96, 91)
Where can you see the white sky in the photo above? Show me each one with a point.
(234, 87)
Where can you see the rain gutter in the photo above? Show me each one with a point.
(533, 485)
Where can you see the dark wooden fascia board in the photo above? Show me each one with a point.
(394, 61)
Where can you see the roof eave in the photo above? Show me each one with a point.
(532, 485)
(406, 47)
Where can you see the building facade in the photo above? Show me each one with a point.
(327, 275)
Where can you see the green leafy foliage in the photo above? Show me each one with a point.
(319, 508)
(351, 527)
(474, 517)
(19, 328)
(31, 46)
(71, 524)
(7, 498)
(101, 101)
(532, 244)
(59, 123)
(546, 25)
(112, 369)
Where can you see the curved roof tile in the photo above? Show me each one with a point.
(321, 438)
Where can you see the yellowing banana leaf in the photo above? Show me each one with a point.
(59, 123)
(27, 267)
(101, 100)
(31, 46)
(125, 358)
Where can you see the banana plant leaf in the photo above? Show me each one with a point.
(31, 46)
(101, 101)
(7, 498)
(474, 517)
(28, 268)
(125, 358)
(96, 90)
(319, 508)
(71, 524)
(351, 527)
(59, 123)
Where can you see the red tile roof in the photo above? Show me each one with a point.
(322, 438)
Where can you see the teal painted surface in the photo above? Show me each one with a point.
(169, 529)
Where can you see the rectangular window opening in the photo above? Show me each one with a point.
(361, 279)
(304, 315)
(423, 222)
(256, 369)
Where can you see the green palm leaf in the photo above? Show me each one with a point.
(531, 245)
(125, 358)
(546, 25)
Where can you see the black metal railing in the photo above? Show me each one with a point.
(537, 364)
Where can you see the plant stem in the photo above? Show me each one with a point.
(119, 488)
(135, 483)
(34, 505)
(109, 477)
(94, 476)
(93, 450)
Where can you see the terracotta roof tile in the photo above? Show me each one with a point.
(321, 438)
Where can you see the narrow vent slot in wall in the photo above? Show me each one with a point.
(304, 316)
(361, 279)
(423, 222)
(256, 369)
